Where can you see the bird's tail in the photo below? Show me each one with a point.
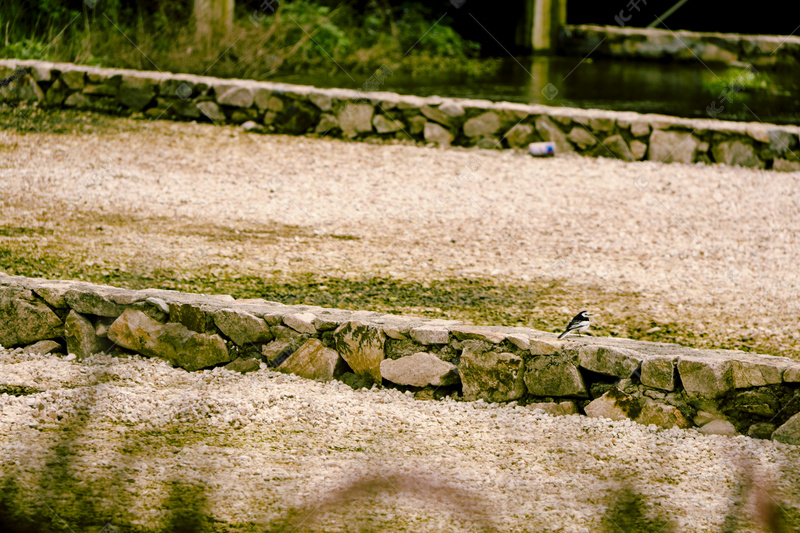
(563, 334)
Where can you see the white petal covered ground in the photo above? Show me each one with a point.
(265, 443)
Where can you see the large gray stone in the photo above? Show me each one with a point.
(235, 96)
(386, 125)
(662, 415)
(212, 111)
(312, 361)
(520, 135)
(361, 346)
(484, 125)
(430, 335)
(173, 342)
(435, 133)
(705, 376)
(615, 147)
(758, 372)
(494, 377)
(582, 138)
(439, 116)
(477, 333)
(609, 360)
(43, 348)
(53, 293)
(81, 336)
(736, 153)
(548, 131)
(658, 371)
(419, 370)
(554, 375)
(301, 322)
(719, 426)
(25, 319)
(243, 366)
(615, 405)
(781, 141)
(672, 147)
(242, 327)
(789, 432)
(190, 350)
(355, 118)
(136, 91)
(278, 350)
(100, 300)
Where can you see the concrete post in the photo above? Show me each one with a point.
(549, 16)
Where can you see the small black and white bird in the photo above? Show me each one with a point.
(580, 324)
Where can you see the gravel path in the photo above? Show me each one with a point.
(712, 246)
(265, 442)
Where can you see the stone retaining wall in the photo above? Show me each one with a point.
(652, 43)
(722, 392)
(294, 109)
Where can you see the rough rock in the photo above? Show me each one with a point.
(615, 405)
(601, 124)
(386, 125)
(545, 346)
(419, 370)
(780, 141)
(437, 115)
(136, 91)
(53, 293)
(323, 101)
(43, 348)
(761, 430)
(672, 146)
(235, 96)
(494, 377)
(548, 131)
(520, 135)
(326, 124)
(312, 361)
(416, 125)
(555, 409)
(81, 336)
(719, 426)
(662, 415)
(640, 129)
(435, 133)
(100, 300)
(784, 165)
(242, 327)
(582, 138)
(190, 315)
(451, 109)
(243, 366)
(484, 125)
(477, 333)
(25, 319)
(748, 374)
(792, 374)
(174, 342)
(361, 346)
(736, 153)
(190, 350)
(554, 375)
(73, 79)
(135, 331)
(609, 360)
(658, 371)
(705, 376)
(638, 149)
(212, 111)
(278, 350)
(614, 147)
(301, 322)
(789, 432)
(520, 340)
(355, 118)
(430, 335)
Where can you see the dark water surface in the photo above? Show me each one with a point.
(679, 89)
